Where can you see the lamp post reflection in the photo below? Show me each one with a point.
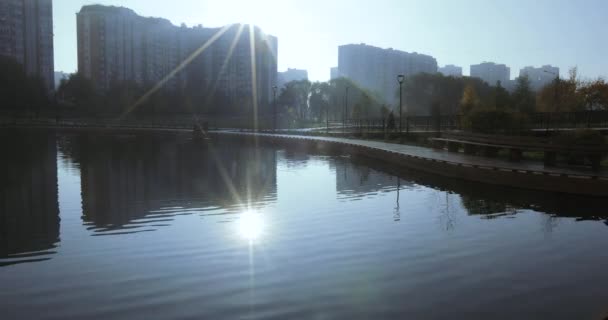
(397, 212)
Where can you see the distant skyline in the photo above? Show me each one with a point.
(517, 33)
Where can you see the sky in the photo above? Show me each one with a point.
(518, 33)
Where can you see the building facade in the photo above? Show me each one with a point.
(451, 70)
(492, 73)
(540, 77)
(291, 75)
(377, 69)
(116, 45)
(334, 73)
(26, 35)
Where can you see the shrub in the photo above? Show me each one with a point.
(581, 137)
(495, 121)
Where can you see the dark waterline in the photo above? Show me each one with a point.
(161, 226)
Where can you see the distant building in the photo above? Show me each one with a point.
(509, 85)
(377, 69)
(334, 73)
(291, 75)
(26, 34)
(451, 70)
(117, 45)
(491, 73)
(540, 77)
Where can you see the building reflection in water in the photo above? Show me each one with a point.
(361, 176)
(29, 209)
(137, 184)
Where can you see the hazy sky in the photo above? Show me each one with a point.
(518, 33)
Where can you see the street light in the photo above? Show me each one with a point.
(400, 79)
(274, 91)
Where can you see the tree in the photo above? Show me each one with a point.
(79, 92)
(423, 89)
(320, 94)
(362, 107)
(390, 124)
(469, 101)
(384, 112)
(595, 95)
(501, 97)
(295, 95)
(561, 95)
(523, 99)
(18, 91)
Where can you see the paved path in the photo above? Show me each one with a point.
(449, 157)
(460, 159)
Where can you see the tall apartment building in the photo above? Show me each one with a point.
(291, 75)
(377, 69)
(334, 73)
(26, 34)
(540, 77)
(117, 45)
(451, 70)
(492, 73)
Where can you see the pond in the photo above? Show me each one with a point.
(146, 226)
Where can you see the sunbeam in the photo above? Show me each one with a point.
(175, 71)
(254, 82)
(233, 45)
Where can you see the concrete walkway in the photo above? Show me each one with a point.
(448, 157)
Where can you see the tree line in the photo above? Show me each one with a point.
(20, 92)
(423, 95)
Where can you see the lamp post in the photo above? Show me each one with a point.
(274, 120)
(400, 79)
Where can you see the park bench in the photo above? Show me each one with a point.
(489, 145)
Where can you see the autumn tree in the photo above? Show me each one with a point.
(595, 95)
(561, 95)
(469, 101)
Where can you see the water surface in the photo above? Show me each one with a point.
(154, 227)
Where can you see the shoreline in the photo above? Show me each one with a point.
(439, 162)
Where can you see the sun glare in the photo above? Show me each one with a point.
(250, 226)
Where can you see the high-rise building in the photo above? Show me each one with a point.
(334, 73)
(237, 62)
(491, 73)
(291, 75)
(377, 69)
(26, 34)
(540, 77)
(451, 70)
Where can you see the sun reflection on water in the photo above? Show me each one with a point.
(250, 226)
